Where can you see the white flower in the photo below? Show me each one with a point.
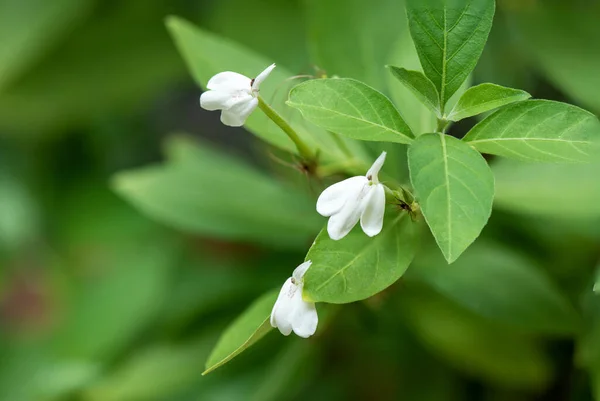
(352, 199)
(290, 311)
(235, 94)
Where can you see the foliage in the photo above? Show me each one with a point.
(143, 244)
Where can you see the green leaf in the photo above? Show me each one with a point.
(360, 41)
(418, 117)
(485, 97)
(479, 347)
(350, 108)
(357, 266)
(538, 130)
(203, 191)
(420, 86)
(208, 54)
(501, 285)
(449, 36)
(247, 329)
(548, 189)
(454, 187)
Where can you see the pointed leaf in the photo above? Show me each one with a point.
(420, 86)
(204, 191)
(538, 130)
(449, 36)
(454, 187)
(357, 266)
(247, 329)
(485, 97)
(350, 108)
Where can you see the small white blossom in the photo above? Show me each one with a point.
(357, 198)
(291, 312)
(235, 94)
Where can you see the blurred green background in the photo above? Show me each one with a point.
(101, 302)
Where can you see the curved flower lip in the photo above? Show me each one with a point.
(291, 312)
(355, 199)
(234, 94)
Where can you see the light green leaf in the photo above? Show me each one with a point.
(29, 28)
(479, 347)
(247, 329)
(485, 97)
(350, 108)
(501, 285)
(357, 266)
(538, 130)
(208, 54)
(548, 189)
(449, 36)
(420, 86)
(454, 187)
(206, 192)
(359, 43)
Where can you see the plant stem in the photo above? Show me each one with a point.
(441, 125)
(303, 149)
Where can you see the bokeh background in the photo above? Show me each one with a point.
(102, 301)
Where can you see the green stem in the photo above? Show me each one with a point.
(303, 149)
(441, 125)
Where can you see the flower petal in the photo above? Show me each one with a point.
(284, 308)
(333, 198)
(261, 77)
(373, 172)
(300, 271)
(236, 115)
(371, 220)
(304, 319)
(341, 223)
(229, 81)
(215, 100)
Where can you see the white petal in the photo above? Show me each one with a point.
(300, 271)
(371, 220)
(229, 81)
(341, 223)
(236, 115)
(333, 198)
(215, 100)
(373, 172)
(261, 77)
(304, 319)
(284, 308)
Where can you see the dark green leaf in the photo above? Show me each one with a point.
(420, 86)
(481, 348)
(501, 285)
(449, 36)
